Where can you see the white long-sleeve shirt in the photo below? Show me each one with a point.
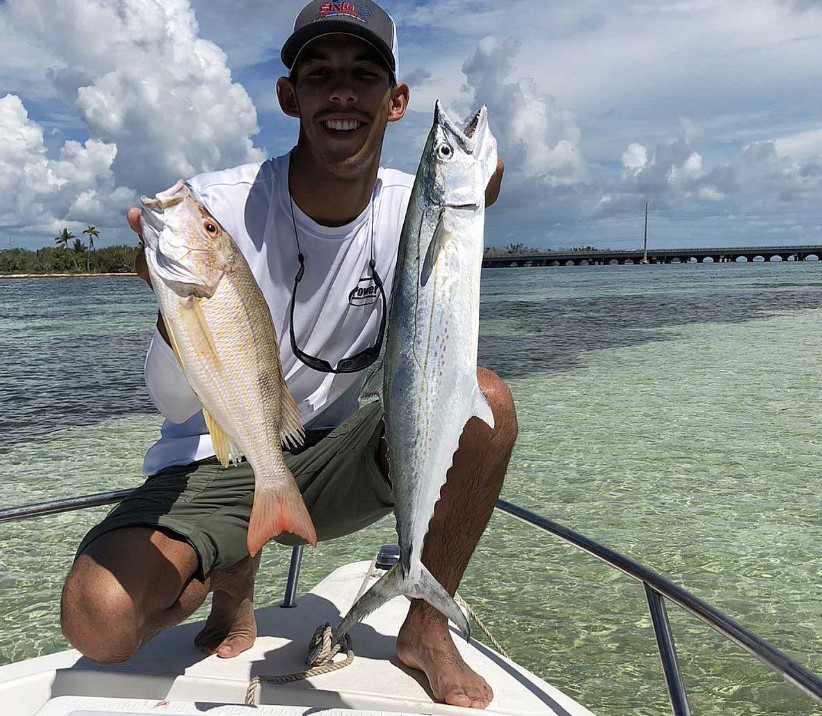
(335, 316)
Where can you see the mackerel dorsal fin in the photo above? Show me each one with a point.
(291, 422)
(481, 409)
(225, 450)
(441, 234)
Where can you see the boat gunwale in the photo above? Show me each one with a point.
(657, 589)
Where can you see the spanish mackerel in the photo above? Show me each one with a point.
(223, 336)
(430, 385)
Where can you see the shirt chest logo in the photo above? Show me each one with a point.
(364, 293)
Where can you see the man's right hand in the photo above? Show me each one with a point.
(140, 265)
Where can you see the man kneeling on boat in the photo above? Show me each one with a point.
(153, 560)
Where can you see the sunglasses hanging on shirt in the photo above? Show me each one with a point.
(360, 360)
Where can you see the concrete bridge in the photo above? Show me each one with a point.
(656, 256)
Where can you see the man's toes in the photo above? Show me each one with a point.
(226, 650)
(478, 697)
(234, 645)
(206, 641)
(457, 697)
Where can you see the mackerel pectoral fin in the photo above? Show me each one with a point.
(277, 509)
(481, 409)
(438, 240)
(292, 432)
(393, 584)
(225, 450)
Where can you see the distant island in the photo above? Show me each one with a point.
(63, 262)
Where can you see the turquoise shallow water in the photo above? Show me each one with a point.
(670, 412)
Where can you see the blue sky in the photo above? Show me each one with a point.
(710, 110)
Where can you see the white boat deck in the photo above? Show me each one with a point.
(170, 676)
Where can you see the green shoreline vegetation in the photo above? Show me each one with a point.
(61, 261)
(72, 258)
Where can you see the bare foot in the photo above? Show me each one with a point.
(425, 644)
(231, 628)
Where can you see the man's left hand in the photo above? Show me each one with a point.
(494, 184)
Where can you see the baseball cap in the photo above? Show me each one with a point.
(361, 18)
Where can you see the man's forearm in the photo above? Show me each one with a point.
(141, 267)
(161, 327)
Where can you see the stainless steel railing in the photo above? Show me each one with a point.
(657, 590)
(12, 514)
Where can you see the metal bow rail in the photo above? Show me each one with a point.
(657, 590)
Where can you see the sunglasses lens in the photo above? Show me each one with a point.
(353, 364)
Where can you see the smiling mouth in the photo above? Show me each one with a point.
(343, 125)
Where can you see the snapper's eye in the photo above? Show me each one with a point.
(445, 151)
(210, 228)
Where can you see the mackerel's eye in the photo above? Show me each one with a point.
(445, 151)
(210, 228)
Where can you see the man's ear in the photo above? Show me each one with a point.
(287, 95)
(399, 102)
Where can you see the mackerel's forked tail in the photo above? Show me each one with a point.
(275, 511)
(392, 584)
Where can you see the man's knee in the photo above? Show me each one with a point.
(118, 589)
(97, 615)
(499, 398)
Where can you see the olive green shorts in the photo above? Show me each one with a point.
(209, 506)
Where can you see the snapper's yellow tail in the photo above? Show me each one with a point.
(277, 510)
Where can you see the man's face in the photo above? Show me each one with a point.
(344, 100)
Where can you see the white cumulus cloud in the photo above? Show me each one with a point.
(37, 192)
(539, 141)
(156, 101)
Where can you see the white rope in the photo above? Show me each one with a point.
(484, 629)
(322, 664)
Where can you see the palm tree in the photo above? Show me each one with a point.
(92, 234)
(63, 239)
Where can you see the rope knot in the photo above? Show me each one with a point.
(320, 649)
(320, 655)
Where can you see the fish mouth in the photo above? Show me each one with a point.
(473, 123)
(167, 198)
(474, 131)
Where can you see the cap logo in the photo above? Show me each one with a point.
(351, 9)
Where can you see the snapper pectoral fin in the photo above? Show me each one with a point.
(198, 330)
